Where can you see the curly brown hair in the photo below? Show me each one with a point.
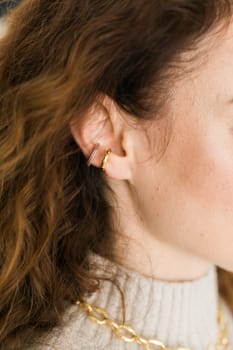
(56, 58)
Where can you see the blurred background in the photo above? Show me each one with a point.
(6, 5)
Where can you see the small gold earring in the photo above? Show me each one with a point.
(93, 153)
(104, 161)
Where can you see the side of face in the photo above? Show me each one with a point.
(187, 198)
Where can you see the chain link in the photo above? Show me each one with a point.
(128, 334)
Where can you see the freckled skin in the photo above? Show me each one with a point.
(186, 199)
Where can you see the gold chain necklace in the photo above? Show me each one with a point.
(128, 334)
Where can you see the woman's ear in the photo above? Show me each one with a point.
(103, 124)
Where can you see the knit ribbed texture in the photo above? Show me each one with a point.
(176, 313)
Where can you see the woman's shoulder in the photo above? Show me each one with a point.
(63, 343)
(78, 332)
(74, 333)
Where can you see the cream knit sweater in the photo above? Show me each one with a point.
(176, 313)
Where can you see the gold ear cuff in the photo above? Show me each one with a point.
(93, 153)
(104, 161)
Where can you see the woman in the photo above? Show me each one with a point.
(116, 146)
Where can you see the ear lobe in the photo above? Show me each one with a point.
(118, 167)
